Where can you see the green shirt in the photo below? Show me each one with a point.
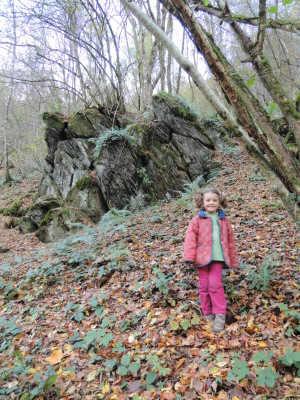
(217, 254)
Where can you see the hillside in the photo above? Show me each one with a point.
(113, 313)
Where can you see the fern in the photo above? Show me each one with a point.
(112, 218)
(138, 202)
(109, 136)
(262, 279)
(190, 188)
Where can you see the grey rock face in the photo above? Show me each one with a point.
(89, 200)
(72, 161)
(117, 174)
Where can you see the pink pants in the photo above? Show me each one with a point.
(211, 292)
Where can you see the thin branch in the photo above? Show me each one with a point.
(283, 24)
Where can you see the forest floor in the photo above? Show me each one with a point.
(113, 312)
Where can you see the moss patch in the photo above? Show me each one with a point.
(178, 106)
(88, 124)
(14, 209)
(48, 217)
(84, 183)
(54, 120)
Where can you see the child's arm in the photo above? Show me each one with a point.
(190, 243)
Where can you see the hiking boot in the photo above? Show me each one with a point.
(219, 323)
(210, 317)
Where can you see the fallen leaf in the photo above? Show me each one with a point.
(91, 375)
(106, 388)
(262, 344)
(147, 304)
(55, 357)
(235, 343)
(134, 386)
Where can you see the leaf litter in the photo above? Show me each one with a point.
(113, 313)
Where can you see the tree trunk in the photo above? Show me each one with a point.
(169, 62)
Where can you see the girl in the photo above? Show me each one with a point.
(209, 245)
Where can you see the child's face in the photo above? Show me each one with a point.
(211, 202)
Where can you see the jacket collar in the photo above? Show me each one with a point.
(202, 213)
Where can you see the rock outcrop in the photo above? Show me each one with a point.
(96, 162)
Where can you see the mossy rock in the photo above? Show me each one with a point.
(14, 210)
(54, 120)
(180, 117)
(48, 187)
(38, 211)
(177, 105)
(58, 224)
(27, 226)
(87, 197)
(89, 124)
(84, 183)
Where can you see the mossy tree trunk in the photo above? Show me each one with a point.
(250, 124)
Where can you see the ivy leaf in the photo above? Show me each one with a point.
(296, 356)
(106, 339)
(283, 307)
(174, 325)
(286, 2)
(99, 311)
(240, 369)
(272, 10)
(94, 301)
(289, 356)
(105, 322)
(195, 320)
(151, 376)
(231, 377)
(262, 356)
(266, 376)
(122, 370)
(185, 324)
(50, 381)
(119, 347)
(206, 3)
(125, 360)
(110, 363)
(251, 81)
(134, 367)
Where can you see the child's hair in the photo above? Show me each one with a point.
(200, 195)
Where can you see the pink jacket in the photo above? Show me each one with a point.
(198, 241)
